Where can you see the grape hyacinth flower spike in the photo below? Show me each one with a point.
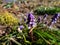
(31, 20)
(39, 19)
(56, 16)
(52, 22)
(28, 18)
(45, 18)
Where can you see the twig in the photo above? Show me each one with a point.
(31, 33)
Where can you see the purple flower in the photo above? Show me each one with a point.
(56, 16)
(30, 18)
(21, 27)
(39, 19)
(30, 15)
(52, 22)
(29, 26)
(54, 19)
(31, 23)
(25, 19)
(45, 16)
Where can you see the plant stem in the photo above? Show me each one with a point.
(15, 41)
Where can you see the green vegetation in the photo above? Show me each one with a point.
(42, 36)
(39, 32)
(8, 5)
(46, 10)
(8, 19)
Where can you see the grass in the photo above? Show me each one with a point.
(41, 36)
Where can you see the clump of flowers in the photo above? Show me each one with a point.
(39, 20)
(45, 20)
(8, 19)
(31, 21)
(54, 19)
